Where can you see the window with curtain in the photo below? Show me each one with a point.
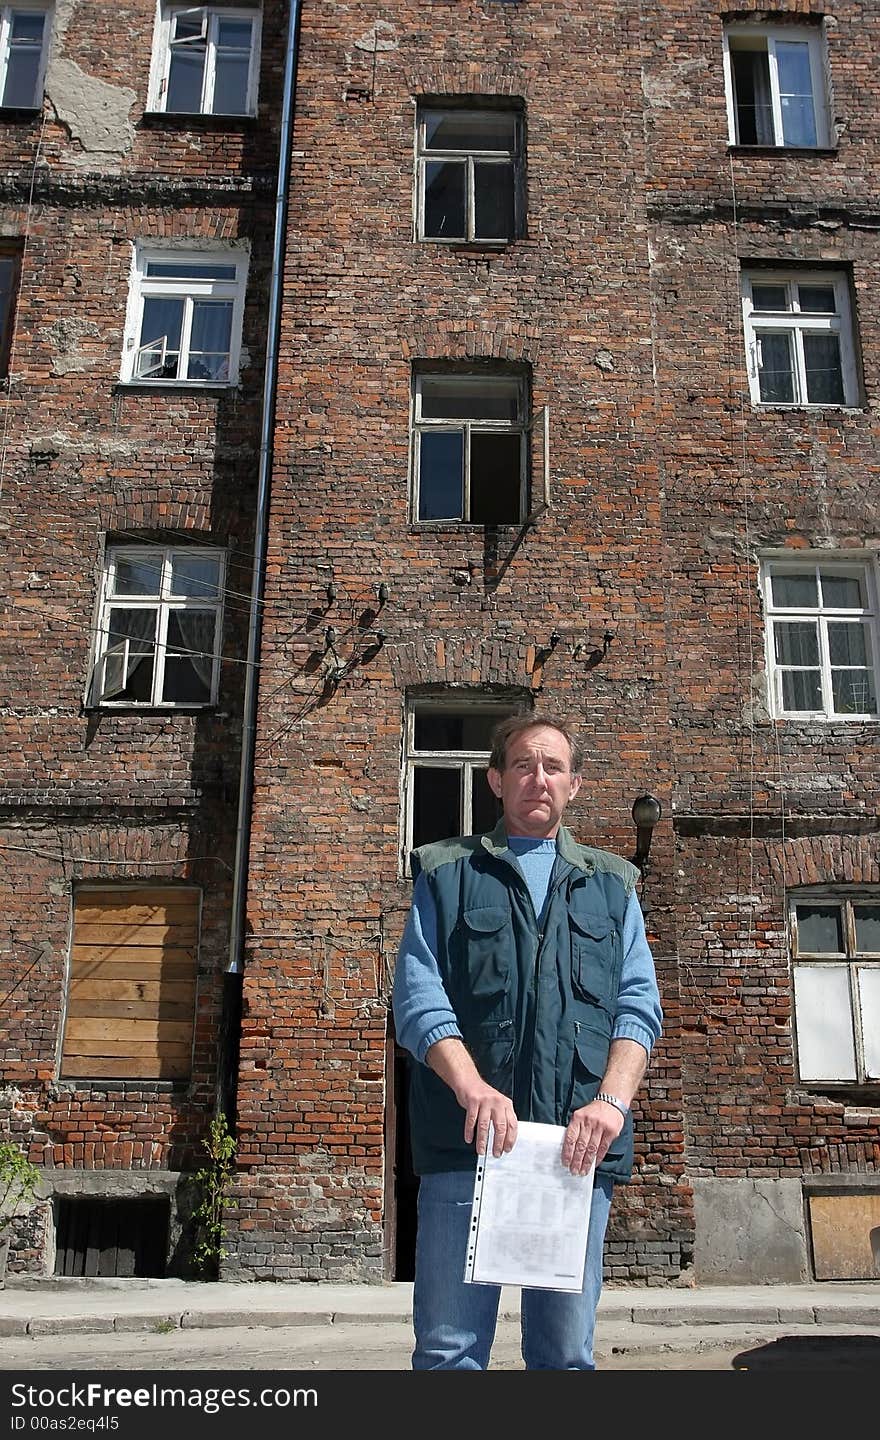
(776, 86)
(159, 627)
(185, 317)
(206, 60)
(823, 642)
(24, 43)
(800, 341)
(835, 945)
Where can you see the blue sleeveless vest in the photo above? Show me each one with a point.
(536, 1008)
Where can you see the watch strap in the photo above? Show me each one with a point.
(620, 1105)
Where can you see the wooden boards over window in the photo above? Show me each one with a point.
(132, 988)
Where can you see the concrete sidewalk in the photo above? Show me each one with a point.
(53, 1305)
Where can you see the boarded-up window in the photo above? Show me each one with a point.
(132, 990)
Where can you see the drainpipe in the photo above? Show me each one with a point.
(234, 964)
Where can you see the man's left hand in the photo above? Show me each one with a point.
(589, 1133)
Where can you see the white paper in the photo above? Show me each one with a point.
(530, 1215)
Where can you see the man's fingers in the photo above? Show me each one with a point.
(497, 1112)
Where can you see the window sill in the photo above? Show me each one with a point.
(201, 387)
(468, 247)
(770, 407)
(455, 527)
(158, 1087)
(131, 708)
(813, 717)
(822, 152)
(20, 114)
(187, 120)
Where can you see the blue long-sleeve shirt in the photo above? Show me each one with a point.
(423, 1014)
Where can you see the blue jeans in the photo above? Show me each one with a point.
(454, 1323)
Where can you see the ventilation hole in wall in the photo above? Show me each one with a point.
(111, 1237)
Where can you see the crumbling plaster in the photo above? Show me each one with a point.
(95, 113)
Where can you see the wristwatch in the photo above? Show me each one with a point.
(620, 1105)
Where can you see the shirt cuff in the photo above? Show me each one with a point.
(440, 1032)
(632, 1030)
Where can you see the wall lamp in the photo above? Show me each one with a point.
(646, 811)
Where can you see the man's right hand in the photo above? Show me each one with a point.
(482, 1104)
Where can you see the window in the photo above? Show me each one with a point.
(470, 175)
(776, 87)
(206, 61)
(470, 455)
(159, 630)
(447, 755)
(10, 271)
(835, 943)
(185, 314)
(799, 338)
(131, 990)
(24, 36)
(822, 638)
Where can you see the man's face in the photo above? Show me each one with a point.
(536, 783)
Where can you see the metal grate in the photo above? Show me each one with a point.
(111, 1237)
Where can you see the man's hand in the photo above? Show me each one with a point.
(590, 1131)
(482, 1104)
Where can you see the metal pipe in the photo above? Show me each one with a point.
(234, 964)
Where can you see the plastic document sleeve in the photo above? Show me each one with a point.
(530, 1215)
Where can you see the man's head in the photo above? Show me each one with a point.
(534, 770)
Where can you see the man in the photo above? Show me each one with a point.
(524, 989)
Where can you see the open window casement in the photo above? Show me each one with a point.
(538, 431)
(189, 26)
(112, 668)
(151, 358)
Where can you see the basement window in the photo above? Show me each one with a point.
(206, 61)
(448, 742)
(184, 316)
(132, 981)
(835, 947)
(24, 42)
(103, 1237)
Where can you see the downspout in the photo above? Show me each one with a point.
(235, 963)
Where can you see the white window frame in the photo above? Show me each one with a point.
(523, 427)
(162, 53)
(811, 35)
(189, 289)
(164, 602)
(796, 323)
(869, 615)
(465, 761)
(849, 960)
(6, 14)
(513, 158)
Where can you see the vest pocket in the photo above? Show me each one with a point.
(486, 941)
(592, 956)
(590, 1059)
(491, 1048)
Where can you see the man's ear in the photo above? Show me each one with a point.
(494, 778)
(575, 785)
